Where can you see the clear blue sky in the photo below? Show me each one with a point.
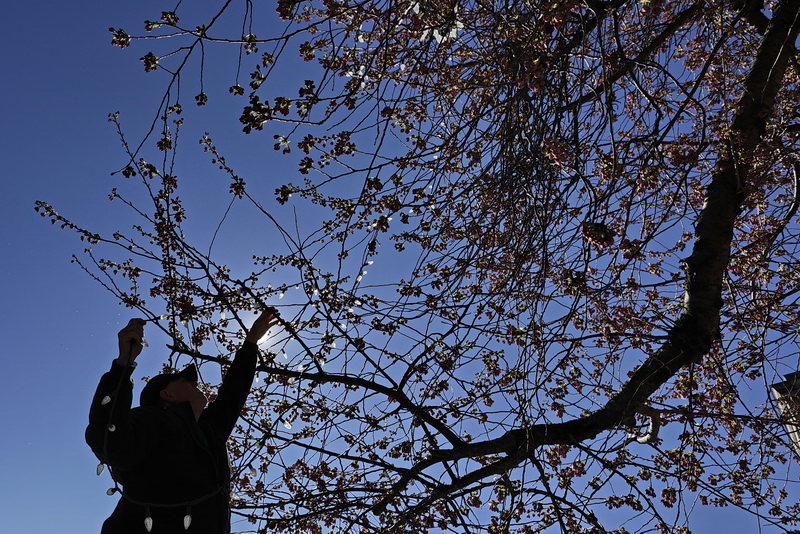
(60, 79)
(57, 327)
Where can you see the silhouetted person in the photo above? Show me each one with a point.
(169, 455)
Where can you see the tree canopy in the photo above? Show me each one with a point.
(544, 268)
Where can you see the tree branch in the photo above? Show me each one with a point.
(698, 326)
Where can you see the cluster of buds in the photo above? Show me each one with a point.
(597, 234)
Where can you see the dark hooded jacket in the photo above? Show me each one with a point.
(168, 465)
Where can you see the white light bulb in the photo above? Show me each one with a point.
(187, 520)
(111, 491)
(111, 428)
(100, 468)
(105, 400)
(148, 523)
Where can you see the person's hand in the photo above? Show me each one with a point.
(265, 321)
(130, 341)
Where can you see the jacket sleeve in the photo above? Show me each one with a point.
(223, 413)
(117, 435)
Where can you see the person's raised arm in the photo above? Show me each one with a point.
(130, 342)
(111, 434)
(232, 394)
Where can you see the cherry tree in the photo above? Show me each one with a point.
(544, 272)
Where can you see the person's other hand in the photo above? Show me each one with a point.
(265, 321)
(130, 341)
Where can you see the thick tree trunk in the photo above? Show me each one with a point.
(698, 326)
